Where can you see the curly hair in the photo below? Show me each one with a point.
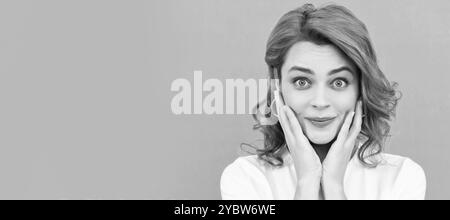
(335, 25)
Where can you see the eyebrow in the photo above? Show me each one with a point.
(333, 71)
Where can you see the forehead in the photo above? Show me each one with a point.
(319, 58)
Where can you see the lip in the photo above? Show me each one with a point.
(321, 122)
(320, 119)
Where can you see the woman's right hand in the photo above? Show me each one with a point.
(306, 162)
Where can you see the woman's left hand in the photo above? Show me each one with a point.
(335, 164)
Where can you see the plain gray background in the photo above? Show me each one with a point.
(85, 92)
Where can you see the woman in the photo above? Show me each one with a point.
(331, 105)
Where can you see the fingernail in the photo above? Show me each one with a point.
(350, 113)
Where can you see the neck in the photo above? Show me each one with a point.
(322, 149)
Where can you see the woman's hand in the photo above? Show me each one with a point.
(336, 161)
(306, 162)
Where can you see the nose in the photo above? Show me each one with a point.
(319, 100)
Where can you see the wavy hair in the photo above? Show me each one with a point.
(335, 25)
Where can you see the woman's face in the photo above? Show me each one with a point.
(318, 82)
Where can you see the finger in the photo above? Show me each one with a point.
(343, 133)
(295, 133)
(281, 115)
(291, 118)
(285, 126)
(278, 99)
(357, 122)
(277, 84)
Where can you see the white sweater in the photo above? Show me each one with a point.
(395, 177)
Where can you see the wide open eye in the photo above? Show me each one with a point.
(302, 83)
(340, 83)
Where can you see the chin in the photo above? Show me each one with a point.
(319, 136)
(320, 139)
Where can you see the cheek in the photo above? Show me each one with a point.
(340, 103)
(344, 101)
(296, 101)
(344, 105)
